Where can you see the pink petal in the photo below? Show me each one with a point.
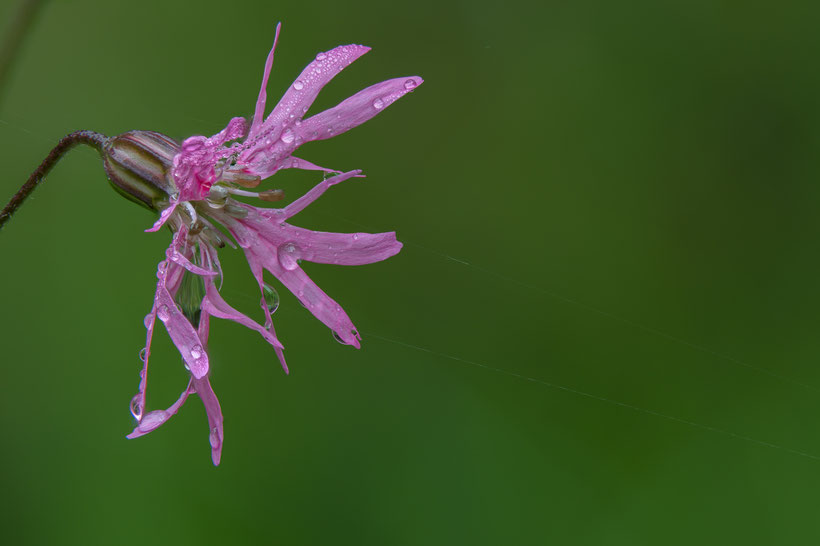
(317, 302)
(259, 112)
(304, 90)
(182, 333)
(163, 217)
(214, 412)
(217, 307)
(267, 169)
(156, 418)
(312, 195)
(344, 248)
(356, 110)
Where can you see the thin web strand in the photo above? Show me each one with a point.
(601, 312)
(584, 394)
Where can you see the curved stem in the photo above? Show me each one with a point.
(96, 140)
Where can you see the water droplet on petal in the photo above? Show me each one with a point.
(136, 407)
(320, 56)
(288, 254)
(149, 318)
(298, 85)
(337, 337)
(410, 84)
(287, 136)
(142, 354)
(163, 313)
(378, 104)
(271, 298)
(355, 236)
(213, 438)
(196, 352)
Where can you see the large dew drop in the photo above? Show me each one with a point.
(271, 297)
(196, 352)
(288, 256)
(298, 85)
(163, 313)
(136, 407)
(287, 136)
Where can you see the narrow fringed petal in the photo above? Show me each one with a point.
(259, 111)
(344, 248)
(299, 204)
(304, 90)
(311, 296)
(265, 170)
(214, 305)
(176, 254)
(214, 411)
(153, 420)
(183, 335)
(355, 110)
(163, 217)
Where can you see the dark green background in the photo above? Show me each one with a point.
(634, 186)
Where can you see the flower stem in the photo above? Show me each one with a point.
(96, 140)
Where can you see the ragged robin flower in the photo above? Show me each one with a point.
(193, 184)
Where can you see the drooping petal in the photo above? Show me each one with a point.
(214, 411)
(280, 353)
(176, 254)
(163, 217)
(355, 110)
(218, 307)
(182, 333)
(156, 418)
(317, 302)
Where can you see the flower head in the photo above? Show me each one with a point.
(193, 186)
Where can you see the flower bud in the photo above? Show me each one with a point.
(138, 164)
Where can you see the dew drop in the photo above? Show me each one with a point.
(298, 85)
(149, 318)
(337, 337)
(213, 438)
(288, 254)
(142, 354)
(196, 352)
(410, 84)
(163, 313)
(271, 298)
(287, 136)
(355, 236)
(136, 407)
(378, 104)
(320, 57)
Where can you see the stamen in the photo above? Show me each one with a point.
(272, 195)
(242, 192)
(243, 179)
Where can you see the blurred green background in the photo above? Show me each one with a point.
(632, 185)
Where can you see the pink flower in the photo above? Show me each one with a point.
(193, 185)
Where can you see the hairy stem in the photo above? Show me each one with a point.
(96, 140)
